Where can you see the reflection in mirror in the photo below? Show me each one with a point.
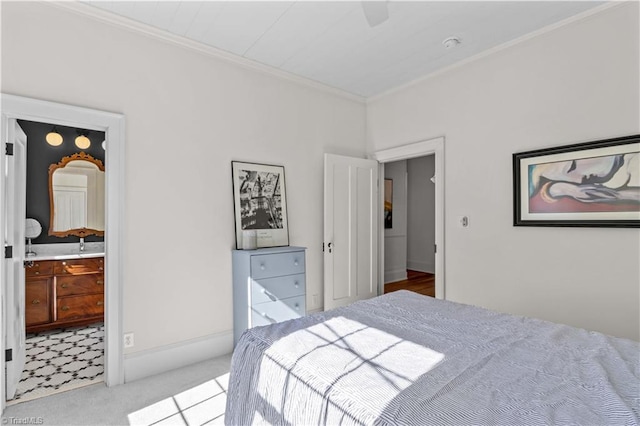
(76, 196)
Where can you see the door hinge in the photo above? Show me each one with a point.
(9, 148)
(435, 248)
(323, 247)
(8, 355)
(8, 252)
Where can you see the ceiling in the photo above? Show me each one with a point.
(332, 42)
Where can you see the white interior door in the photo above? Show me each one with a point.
(350, 230)
(15, 208)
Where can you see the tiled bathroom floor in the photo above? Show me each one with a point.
(60, 360)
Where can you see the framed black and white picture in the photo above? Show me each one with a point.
(260, 204)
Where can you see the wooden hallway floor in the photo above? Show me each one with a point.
(420, 282)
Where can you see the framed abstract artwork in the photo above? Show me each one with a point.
(595, 184)
(388, 203)
(260, 204)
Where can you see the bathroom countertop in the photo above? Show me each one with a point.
(65, 251)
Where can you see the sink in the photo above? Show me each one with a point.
(66, 251)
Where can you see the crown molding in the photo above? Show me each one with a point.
(551, 27)
(183, 42)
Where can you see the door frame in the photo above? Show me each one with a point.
(434, 146)
(113, 125)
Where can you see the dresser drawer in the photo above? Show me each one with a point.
(79, 266)
(277, 264)
(37, 301)
(81, 284)
(280, 310)
(39, 269)
(80, 306)
(272, 289)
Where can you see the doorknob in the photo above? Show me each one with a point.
(329, 247)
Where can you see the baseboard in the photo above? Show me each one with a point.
(159, 360)
(395, 275)
(421, 266)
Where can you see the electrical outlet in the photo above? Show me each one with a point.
(128, 340)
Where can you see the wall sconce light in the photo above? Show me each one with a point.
(54, 138)
(82, 141)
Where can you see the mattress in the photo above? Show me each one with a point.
(408, 359)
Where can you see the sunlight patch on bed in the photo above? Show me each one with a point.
(341, 356)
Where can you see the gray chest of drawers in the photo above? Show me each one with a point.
(268, 287)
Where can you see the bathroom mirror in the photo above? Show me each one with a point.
(76, 196)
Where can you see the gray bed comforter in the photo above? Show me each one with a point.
(407, 359)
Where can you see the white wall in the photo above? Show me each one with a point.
(188, 115)
(421, 214)
(395, 239)
(579, 82)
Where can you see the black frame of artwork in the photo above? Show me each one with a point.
(524, 179)
(269, 220)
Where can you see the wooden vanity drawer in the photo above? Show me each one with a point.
(80, 306)
(280, 310)
(272, 289)
(37, 309)
(79, 266)
(39, 268)
(82, 284)
(275, 265)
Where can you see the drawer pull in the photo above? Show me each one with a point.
(269, 295)
(35, 302)
(295, 263)
(296, 284)
(297, 306)
(101, 268)
(37, 272)
(64, 285)
(264, 314)
(99, 282)
(262, 266)
(65, 308)
(100, 303)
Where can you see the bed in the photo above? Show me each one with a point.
(408, 359)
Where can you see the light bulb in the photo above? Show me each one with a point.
(53, 138)
(83, 142)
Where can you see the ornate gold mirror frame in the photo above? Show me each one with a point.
(78, 232)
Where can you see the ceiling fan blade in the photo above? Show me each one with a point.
(376, 12)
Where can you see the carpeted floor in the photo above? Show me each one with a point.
(192, 395)
(60, 360)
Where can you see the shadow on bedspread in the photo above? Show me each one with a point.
(403, 358)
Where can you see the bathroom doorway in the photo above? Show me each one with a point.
(64, 260)
(20, 108)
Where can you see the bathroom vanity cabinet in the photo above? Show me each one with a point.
(63, 293)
